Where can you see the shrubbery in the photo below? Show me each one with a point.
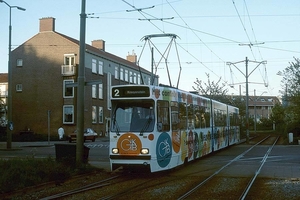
(19, 173)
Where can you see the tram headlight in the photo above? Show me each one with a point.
(144, 151)
(115, 150)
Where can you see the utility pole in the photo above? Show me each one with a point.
(80, 87)
(246, 75)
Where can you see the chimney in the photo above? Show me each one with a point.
(47, 24)
(132, 58)
(99, 44)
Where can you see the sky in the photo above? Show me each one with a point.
(212, 37)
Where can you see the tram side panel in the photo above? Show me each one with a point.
(220, 136)
(196, 126)
(233, 125)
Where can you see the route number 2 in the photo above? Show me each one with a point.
(116, 92)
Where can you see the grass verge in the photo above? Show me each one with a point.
(19, 173)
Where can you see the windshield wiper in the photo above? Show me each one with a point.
(145, 127)
(116, 125)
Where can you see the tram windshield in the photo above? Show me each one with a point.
(133, 115)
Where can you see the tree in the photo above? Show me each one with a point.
(212, 90)
(218, 91)
(278, 116)
(291, 93)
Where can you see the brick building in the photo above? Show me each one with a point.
(262, 106)
(43, 66)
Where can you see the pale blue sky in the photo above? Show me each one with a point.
(210, 34)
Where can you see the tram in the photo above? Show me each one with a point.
(159, 128)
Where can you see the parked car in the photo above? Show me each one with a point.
(89, 134)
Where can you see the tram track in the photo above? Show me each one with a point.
(216, 179)
(214, 176)
(243, 196)
(156, 186)
(85, 188)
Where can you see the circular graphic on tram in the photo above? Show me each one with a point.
(129, 143)
(164, 149)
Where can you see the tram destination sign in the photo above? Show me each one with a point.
(139, 91)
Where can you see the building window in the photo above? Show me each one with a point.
(94, 91)
(68, 92)
(100, 91)
(19, 62)
(130, 77)
(126, 75)
(149, 81)
(134, 78)
(19, 88)
(101, 115)
(94, 114)
(68, 68)
(116, 72)
(139, 79)
(121, 74)
(69, 59)
(68, 114)
(100, 67)
(94, 66)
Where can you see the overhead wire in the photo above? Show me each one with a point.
(250, 44)
(192, 30)
(265, 75)
(144, 14)
(195, 31)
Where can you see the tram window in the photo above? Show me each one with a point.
(231, 119)
(182, 116)
(163, 116)
(207, 117)
(200, 117)
(217, 117)
(224, 117)
(234, 119)
(133, 116)
(220, 117)
(197, 117)
(174, 115)
(191, 117)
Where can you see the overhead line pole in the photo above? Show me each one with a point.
(80, 87)
(247, 90)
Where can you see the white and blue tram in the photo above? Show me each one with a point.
(163, 127)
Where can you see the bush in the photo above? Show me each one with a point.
(19, 173)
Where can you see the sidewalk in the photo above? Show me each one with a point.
(18, 145)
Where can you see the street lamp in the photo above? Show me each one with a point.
(9, 98)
